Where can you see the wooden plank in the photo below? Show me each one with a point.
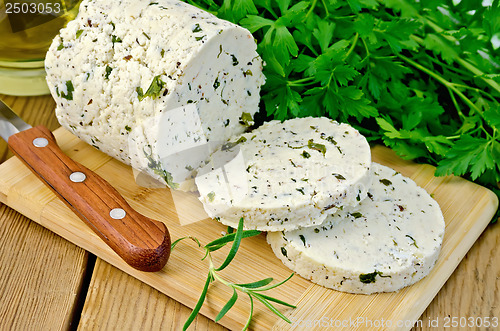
(467, 208)
(473, 290)
(117, 301)
(112, 287)
(40, 275)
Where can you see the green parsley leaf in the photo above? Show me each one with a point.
(420, 77)
(108, 71)
(69, 91)
(470, 154)
(154, 90)
(115, 39)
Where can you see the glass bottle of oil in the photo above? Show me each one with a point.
(27, 28)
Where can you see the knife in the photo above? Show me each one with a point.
(141, 242)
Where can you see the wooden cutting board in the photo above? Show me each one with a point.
(467, 209)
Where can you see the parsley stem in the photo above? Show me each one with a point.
(326, 8)
(354, 42)
(301, 82)
(455, 103)
(466, 64)
(344, 17)
(445, 83)
(443, 64)
(366, 48)
(486, 94)
(313, 5)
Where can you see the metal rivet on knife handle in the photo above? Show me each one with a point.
(77, 177)
(40, 142)
(142, 242)
(117, 213)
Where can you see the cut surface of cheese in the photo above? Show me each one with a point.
(286, 175)
(154, 83)
(390, 240)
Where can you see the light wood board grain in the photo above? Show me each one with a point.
(467, 208)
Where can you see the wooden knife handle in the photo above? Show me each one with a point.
(142, 242)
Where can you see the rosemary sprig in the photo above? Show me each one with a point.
(253, 290)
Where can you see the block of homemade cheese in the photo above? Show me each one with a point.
(390, 240)
(286, 175)
(154, 83)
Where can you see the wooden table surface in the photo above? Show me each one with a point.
(47, 283)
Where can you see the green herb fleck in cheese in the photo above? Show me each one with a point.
(276, 187)
(318, 147)
(140, 60)
(246, 119)
(370, 277)
(371, 247)
(69, 91)
(154, 89)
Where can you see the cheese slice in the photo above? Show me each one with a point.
(155, 84)
(286, 175)
(391, 240)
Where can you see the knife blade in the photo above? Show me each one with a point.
(141, 242)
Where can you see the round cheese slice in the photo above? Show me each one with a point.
(286, 175)
(154, 83)
(391, 240)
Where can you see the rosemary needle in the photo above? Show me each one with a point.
(253, 290)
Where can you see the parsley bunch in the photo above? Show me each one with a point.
(420, 76)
